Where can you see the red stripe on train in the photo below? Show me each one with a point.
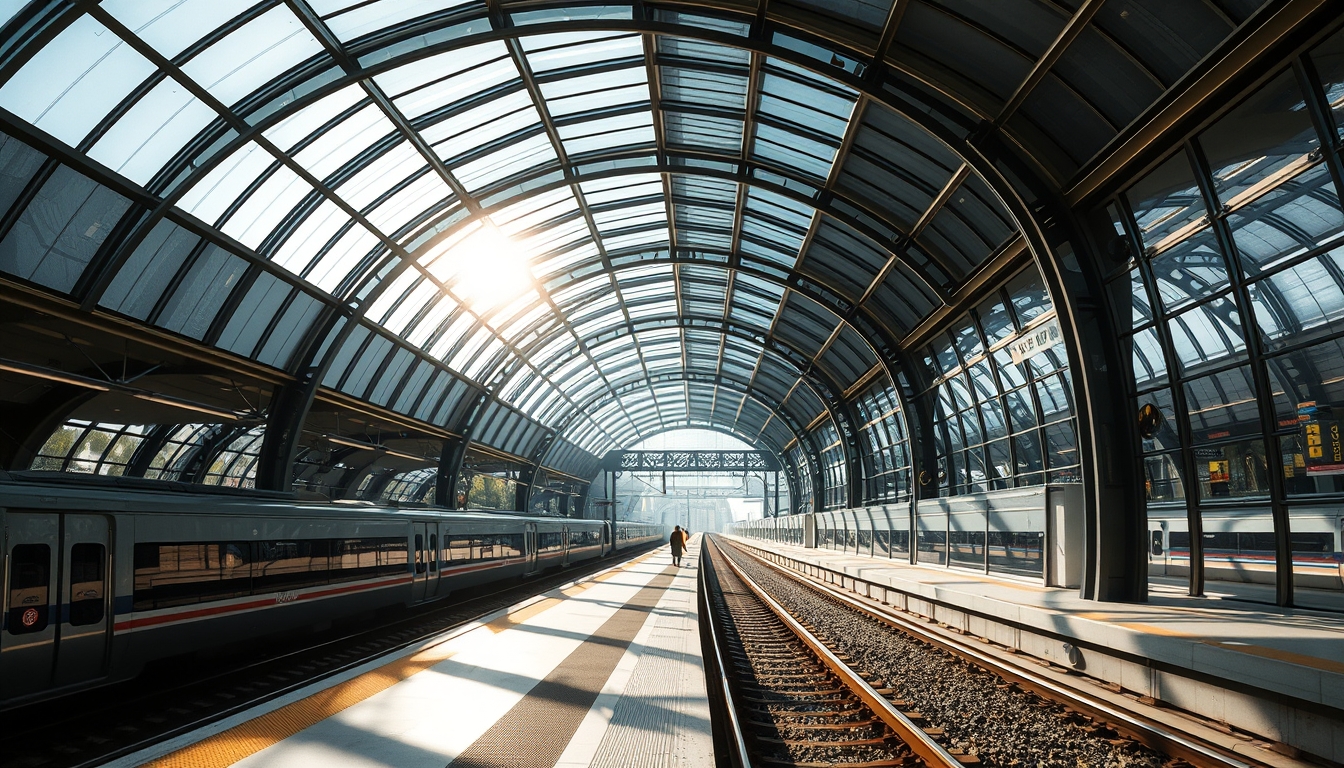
(250, 605)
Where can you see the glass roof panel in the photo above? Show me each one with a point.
(172, 26)
(252, 55)
(565, 176)
(563, 50)
(154, 129)
(75, 80)
(350, 20)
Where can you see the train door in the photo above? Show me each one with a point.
(530, 547)
(420, 580)
(1157, 548)
(57, 607)
(86, 612)
(28, 642)
(432, 560)
(564, 541)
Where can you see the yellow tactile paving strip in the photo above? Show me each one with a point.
(253, 736)
(241, 741)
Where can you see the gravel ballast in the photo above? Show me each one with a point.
(979, 712)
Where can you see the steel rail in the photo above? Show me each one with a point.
(1143, 730)
(740, 753)
(921, 743)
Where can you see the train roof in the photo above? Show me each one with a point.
(37, 492)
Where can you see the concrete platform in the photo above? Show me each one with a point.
(603, 672)
(1275, 672)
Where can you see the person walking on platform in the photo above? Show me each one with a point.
(678, 542)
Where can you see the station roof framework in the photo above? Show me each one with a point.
(728, 214)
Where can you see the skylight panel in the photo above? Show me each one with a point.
(424, 194)
(505, 162)
(554, 237)
(390, 295)
(356, 22)
(266, 207)
(341, 261)
(684, 85)
(608, 134)
(521, 324)
(565, 260)
(342, 142)
(791, 150)
(502, 317)
(463, 133)
(299, 126)
(211, 196)
(437, 260)
(630, 216)
(606, 190)
(171, 27)
(310, 236)
(72, 83)
(536, 210)
(152, 131)
(703, 133)
(253, 55)
(810, 108)
(456, 69)
(633, 240)
(476, 344)
(487, 360)
(569, 296)
(382, 174)
(567, 49)
(460, 326)
(424, 328)
(603, 90)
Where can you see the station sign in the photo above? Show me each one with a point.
(1038, 339)
(1325, 447)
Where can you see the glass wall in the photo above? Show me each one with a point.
(1230, 276)
(802, 474)
(834, 494)
(1001, 395)
(884, 445)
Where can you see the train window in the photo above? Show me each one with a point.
(1323, 543)
(549, 542)
(182, 573)
(433, 552)
(170, 574)
(459, 548)
(29, 582)
(419, 553)
(87, 579)
(280, 565)
(366, 558)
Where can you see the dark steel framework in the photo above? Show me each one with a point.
(814, 191)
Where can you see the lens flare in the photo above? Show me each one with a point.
(490, 269)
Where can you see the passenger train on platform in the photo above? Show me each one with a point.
(99, 581)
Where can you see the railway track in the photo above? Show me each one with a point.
(974, 708)
(793, 701)
(93, 727)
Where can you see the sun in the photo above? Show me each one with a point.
(490, 269)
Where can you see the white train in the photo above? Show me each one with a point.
(1239, 544)
(99, 581)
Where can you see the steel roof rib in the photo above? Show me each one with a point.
(680, 270)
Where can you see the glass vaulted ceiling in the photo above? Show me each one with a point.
(707, 233)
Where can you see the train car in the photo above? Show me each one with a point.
(1238, 545)
(99, 581)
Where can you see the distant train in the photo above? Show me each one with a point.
(1239, 545)
(99, 581)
